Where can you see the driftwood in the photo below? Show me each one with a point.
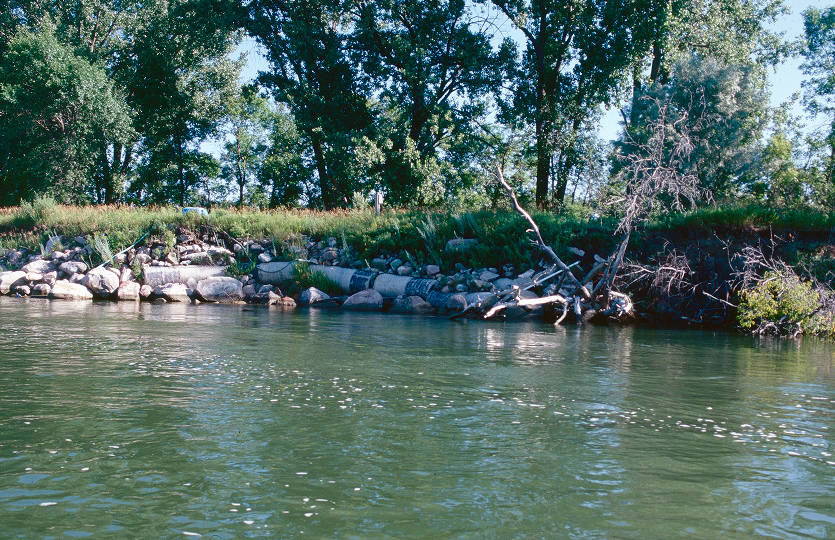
(573, 294)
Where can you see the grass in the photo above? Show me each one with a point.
(417, 235)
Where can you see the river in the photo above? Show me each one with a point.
(172, 421)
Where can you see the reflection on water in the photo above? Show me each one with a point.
(123, 419)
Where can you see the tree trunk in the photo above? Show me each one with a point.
(543, 159)
(325, 186)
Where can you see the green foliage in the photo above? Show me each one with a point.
(717, 109)
(56, 108)
(786, 304)
(305, 278)
(101, 247)
(36, 211)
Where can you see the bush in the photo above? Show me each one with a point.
(783, 304)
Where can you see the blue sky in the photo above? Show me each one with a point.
(785, 80)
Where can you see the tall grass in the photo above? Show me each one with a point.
(421, 234)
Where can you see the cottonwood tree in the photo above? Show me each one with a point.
(310, 72)
(577, 53)
(819, 65)
(56, 110)
(432, 61)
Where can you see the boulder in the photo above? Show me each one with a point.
(487, 275)
(22, 290)
(367, 300)
(65, 290)
(145, 291)
(34, 277)
(311, 295)
(39, 266)
(10, 279)
(50, 277)
(456, 303)
(412, 305)
(220, 289)
(173, 292)
(128, 290)
(101, 281)
(41, 289)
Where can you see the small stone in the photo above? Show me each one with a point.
(264, 257)
(34, 276)
(171, 257)
(50, 277)
(395, 263)
(264, 289)
(378, 263)
(576, 251)
(461, 288)
(145, 291)
(367, 300)
(404, 270)
(503, 283)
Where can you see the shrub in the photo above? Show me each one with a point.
(783, 304)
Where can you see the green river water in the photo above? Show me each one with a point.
(173, 421)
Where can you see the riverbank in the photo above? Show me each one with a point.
(690, 269)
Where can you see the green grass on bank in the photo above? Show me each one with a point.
(419, 235)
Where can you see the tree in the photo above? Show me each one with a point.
(724, 109)
(305, 42)
(182, 78)
(56, 109)
(819, 65)
(284, 173)
(246, 128)
(577, 53)
(431, 61)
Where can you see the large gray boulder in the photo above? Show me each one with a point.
(11, 279)
(39, 266)
(101, 281)
(173, 292)
(312, 295)
(220, 289)
(367, 300)
(73, 267)
(65, 290)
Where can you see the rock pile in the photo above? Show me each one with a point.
(204, 268)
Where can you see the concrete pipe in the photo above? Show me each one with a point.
(276, 272)
(156, 276)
